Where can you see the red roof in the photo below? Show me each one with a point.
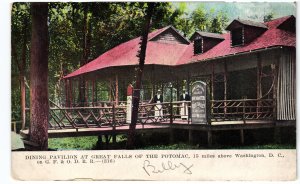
(159, 53)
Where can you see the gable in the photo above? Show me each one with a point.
(289, 24)
(170, 36)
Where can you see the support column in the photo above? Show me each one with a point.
(209, 138)
(106, 141)
(93, 92)
(66, 92)
(188, 83)
(110, 90)
(70, 93)
(212, 80)
(117, 91)
(96, 92)
(258, 83)
(99, 142)
(86, 94)
(191, 138)
(242, 136)
(259, 73)
(171, 105)
(225, 88)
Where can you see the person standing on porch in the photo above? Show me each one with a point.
(158, 99)
(184, 110)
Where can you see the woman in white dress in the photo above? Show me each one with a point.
(158, 98)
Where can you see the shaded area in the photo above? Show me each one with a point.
(254, 139)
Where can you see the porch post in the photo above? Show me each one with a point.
(209, 138)
(258, 83)
(110, 89)
(242, 136)
(225, 88)
(117, 91)
(66, 92)
(86, 92)
(93, 91)
(212, 87)
(70, 95)
(188, 83)
(177, 95)
(212, 80)
(171, 105)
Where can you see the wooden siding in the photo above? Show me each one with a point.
(209, 43)
(250, 33)
(286, 91)
(169, 36)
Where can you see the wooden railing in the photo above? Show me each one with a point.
(94, 104)
(167, 112)
(243, 109)
(111, 116)
(88, 117)
(163, 112)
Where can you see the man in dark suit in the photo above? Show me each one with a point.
(185, 96)
(158, 98)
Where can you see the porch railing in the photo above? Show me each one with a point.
(88, 117)
(163, 112)
(167, 112)
(243, 109)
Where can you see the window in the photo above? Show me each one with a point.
(198, 46)
(237, 37)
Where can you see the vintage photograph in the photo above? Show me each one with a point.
(159, 76)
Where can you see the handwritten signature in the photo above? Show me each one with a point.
(149, 168)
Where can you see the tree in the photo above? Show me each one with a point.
(218, 23)
(139, 75)
(268, 17)
(20, 28)
(200, 19)
(39, 103)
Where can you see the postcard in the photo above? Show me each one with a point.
(153, 91)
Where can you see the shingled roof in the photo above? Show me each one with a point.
(208, 35)
(179, 54)
(271, 38)
(246, 22)
(157, 53)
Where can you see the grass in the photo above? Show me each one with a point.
(72, 143)
(89, 143)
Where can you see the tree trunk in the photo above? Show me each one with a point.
(85, 54)
(22, 75)
(39, 104)
(136, 92)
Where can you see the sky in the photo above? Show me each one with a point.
(250, 10)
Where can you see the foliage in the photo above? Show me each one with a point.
(107, 25)
(269, 17)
